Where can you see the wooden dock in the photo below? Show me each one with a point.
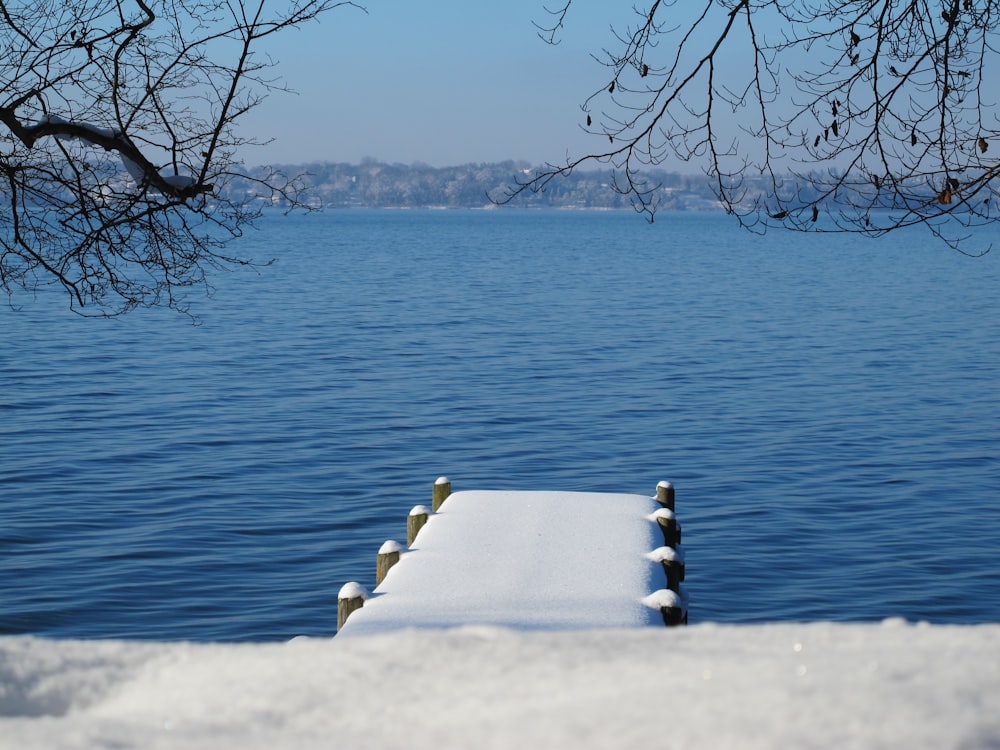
(528, 560)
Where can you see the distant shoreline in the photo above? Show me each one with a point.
(373, 184)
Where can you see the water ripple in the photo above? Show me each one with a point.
(828, 411)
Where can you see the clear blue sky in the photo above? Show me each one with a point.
(444, 82)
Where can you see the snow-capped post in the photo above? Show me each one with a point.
(351, 597)
(442, 488)
(672, 560)
(671, 604)
(665, 495)
(388, 555)
(414, 522)
(667, 522)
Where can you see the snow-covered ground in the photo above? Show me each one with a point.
(888, 685)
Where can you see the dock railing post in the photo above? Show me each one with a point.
(351, 597)
(671, 605)
(665, 495)
(672, 560)
(388, 555)
(442, 488)
(667, 522)
(414, 522)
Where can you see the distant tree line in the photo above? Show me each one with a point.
(374, 184)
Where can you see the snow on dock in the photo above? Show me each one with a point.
(527, 560)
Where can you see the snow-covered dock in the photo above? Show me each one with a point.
(529, 560)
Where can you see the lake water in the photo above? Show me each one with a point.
(827, 407)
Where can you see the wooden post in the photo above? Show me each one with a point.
(665, 495)
(414, 522)
(351, 597)
(388, 555)
(442, 488)
(672, 606)
(673, 616)
(672, 560)
(667, 522)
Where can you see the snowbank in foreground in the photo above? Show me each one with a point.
(786, 685)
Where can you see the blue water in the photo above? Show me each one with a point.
(827, 408)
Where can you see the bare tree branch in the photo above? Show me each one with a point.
(118, 137)
(824, 115)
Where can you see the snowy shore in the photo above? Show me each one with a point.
(764, 686)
